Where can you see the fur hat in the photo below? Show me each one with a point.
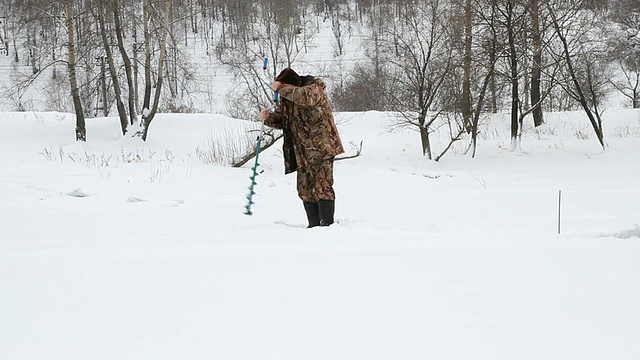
(288, 76)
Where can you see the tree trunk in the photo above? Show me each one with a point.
(466, 83)
(536, 70)
(515, 99)
(136, 48)
(488, 84)
(147, 58)
(103, 83)
(424, 138)
(481, 97)
(81, 130)
(122, 113)
(163, 51)
(493, 56)
(127, 62)
(582, 99)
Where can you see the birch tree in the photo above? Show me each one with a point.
(81, 130)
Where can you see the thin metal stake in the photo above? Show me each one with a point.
(559, 208)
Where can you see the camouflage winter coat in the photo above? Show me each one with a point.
(305, 117)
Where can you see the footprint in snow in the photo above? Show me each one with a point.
(164, 202)
(77, 192)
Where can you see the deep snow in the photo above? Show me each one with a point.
(117, 249)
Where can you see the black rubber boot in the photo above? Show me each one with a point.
(313, 213)
(327, 209)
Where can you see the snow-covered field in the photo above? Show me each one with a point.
(116, 249)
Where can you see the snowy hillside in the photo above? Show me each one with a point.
(117, 249)
(211, 87)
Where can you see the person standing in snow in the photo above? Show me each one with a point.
(311, 141)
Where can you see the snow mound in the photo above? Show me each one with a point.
(633, 232)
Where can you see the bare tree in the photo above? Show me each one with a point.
(363, 87)
(126, 59)
(536, 67)
(338, 29)
(512, 15)
(629, 83)
(581, 58)
(485, 63)
(149, 114)
(625, 53)
(106, 41)
(81, 130)
(422, 62)
(466, 82)
(273, 36)
(4, 35)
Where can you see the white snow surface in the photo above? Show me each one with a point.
(119, 249)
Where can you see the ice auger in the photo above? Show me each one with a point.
(265, 65)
